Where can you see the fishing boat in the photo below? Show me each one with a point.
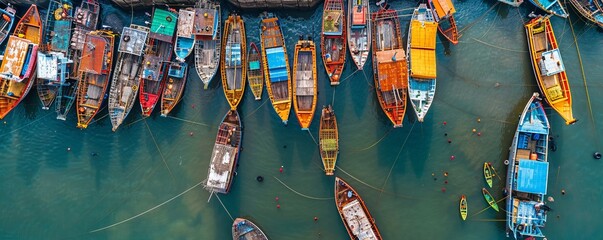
(243, 229)
(551, 7)
(185, 40)
(53, 56)
(6, 22)
(157, 53)
(172, 93)
(389, 65)
(489, 199)
(207, 39)
(305, 82)
(514, 3)
(488, 173)
(95, 69)
(527, 173)
(421, 56)
(124, 86)
(84, 20)
(353, 212)
(548, 67)
(18, 69)
(225, 154)
(359, 31)
(333, 39)
(443, 13)
(463, 207)
(328, 136)
(591, 10)
(276, 66)
(233, 67)
(255, 72)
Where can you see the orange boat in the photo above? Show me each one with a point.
(443, 11)
(389, 65)
(353, 212)
(333, 40)
(17, 72)
(304, 82)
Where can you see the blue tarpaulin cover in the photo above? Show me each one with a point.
(277, 65)
(532, 176)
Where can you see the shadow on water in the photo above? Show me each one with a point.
(31, 103)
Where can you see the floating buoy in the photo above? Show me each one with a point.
(506, 162)
(278, 206)
(276, 198)
(597, 155)
(452, 157)
(259, 178)
(474, 130)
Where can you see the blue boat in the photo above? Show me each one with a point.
(551, 7)
(514, 3)
(6, 22)
(243, 229)
(185, 40)
(527, 173)
(590, 9)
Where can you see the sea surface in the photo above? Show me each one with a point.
(143, 181)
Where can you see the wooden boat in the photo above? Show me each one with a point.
(359, 31)
(157, 53)
(84, 20)
(53, 56)
(243, 229)
(305, 82)
(333, 39)
(548, 67)
(463, 207)
(527, 173)
(276, 66)
(18, 69)
(443, 12)
(591, 10)
(185, 39)
(551, 7)
(207, 39)
(489, 199)
(172, 93)
(6, 22)
(126, 78)
(95, 69)
(225, 154)
(353, 212)
(255, 72)
(514, 3)
(233, 67)
(488, 173)
(389, 65)
(328, 135)
(421, 56)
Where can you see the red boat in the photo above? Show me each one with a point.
(333, 40)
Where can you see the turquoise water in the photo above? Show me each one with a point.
(51, 193)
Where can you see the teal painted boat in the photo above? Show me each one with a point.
(490, 199)
(243, 229)
(551, 7)
(185, 40)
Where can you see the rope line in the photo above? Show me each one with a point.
(377, 142)
(30, 123)
(373, 187)
(159, 150)
(225, 209)
(138, 120)
(478, 19)
(255, 110)
(489, 206)
(189, 121)
(494, 46)
(397, 157)
(301, 194)
(313, 139)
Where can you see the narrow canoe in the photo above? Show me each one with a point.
(443, 12)
(548, 67)
(514, 3)
(185, 40)
(207, 39)
(172, 93)
(243, 229)
(591, 10)
(95, 69)
(463, 207)
(276, 66)
(232, 64)
(333, 39)
(551, 7)
(304, 82)
(18, 69)
(6, 22)
(489, 199)
(255, 72)
(389, 65)
(328, 136)
(353, 212)
(359, 31)
(488, 173)
(421, 57)
(225, 155)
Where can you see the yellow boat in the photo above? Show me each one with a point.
(548, 67)
(304, 82)
(276, 66)
(329, 139)
(232, 64)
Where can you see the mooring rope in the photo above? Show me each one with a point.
(313, 139)
(159, 150)
(188, 121)
(501, 48)
(490, 27)
(478, 19)
(371, 186)
(301, 194)
(489, 206)
(225, 209)
(136, 121)
(397, 157)
(377, 142)
(256, 109)
(29, 123)
(366, 79)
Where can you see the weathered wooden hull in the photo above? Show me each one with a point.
(243, 229)
(328, 137)
(353, 212)
(172, 93)
(443, 11)
(225, 154)
(305, 82)
(207, 40)
(255, 71)
(333, 39)
(233, 65)
(359, 31)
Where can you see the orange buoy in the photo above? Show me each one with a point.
(82, 109)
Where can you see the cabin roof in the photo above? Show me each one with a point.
(132, 41)
(163, 25)
(532, 176)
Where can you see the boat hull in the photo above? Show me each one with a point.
(328, 137)
(225, 154)
(172, 93)
(304, 82)
(353, 212)
(591, 12)
(243, 229)
(185, 40)
(333, 39)
(6, 22)
(490, 200)
(359, 31)
(233, 65)
(255, 71)
(553, 7)
(207, 40)
(443, 12)
(463, 208)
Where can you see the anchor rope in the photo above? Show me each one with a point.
(301, 194)
(159, 150)
(397, 157)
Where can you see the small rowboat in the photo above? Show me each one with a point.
(333, 39)
(232, 64)
(304, 82)
(551, 7)
(359, 31)
(243, 229)
(255, 72)
(172, 93)
(591, 10)
(463, 207)
(185, 40)
(490, 199)
(353, 212)
(329, 139)
(488, 173)
(443, 11)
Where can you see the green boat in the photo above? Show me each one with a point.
(490, 199)
(488, 173)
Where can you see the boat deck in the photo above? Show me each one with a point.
(357, 220)
(163, 25)
(272, 35)
(305, 81)
(205, 21)
(333, 18)
(186, 20)
(94, 47)
(133, 41)
(224, 155)
(328, 137)
(62, 36)
(243, 229)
